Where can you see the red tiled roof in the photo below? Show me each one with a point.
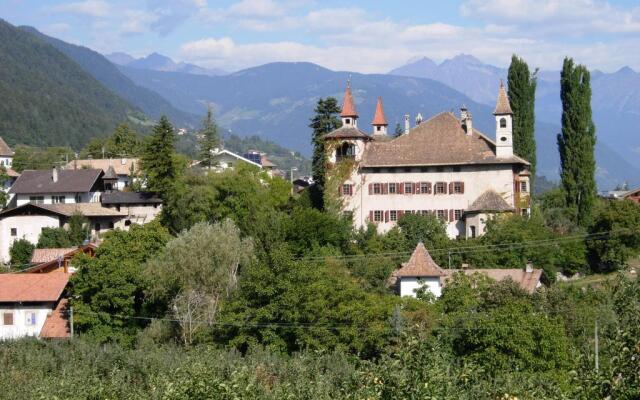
(379, 118)
(12, 174)
(46, 255)
(502, 105)
(5, 150)
(420, 264)
(32, 287)
(528, 281)
(348, 106)
(56, 326)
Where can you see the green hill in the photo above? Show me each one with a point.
(47, 99)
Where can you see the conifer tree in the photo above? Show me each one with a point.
(522, 96)
(398, 131)
(209, 139)
(577, 141)
(157, 160)
(324, 121)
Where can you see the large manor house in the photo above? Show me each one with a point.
(441, 166)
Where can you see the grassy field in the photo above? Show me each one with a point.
(598, 279)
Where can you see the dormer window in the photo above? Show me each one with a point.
(503, 122)
(346, 150)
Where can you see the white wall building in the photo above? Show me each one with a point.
(57, 186)
(6, 155)
(441, 166)
(421, 272)
(33, 305)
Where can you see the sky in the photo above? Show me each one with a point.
(368, 36)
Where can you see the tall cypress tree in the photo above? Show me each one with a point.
(157, 160)
(324, 121)
(522, 96)
(577, 141)
(209, 139)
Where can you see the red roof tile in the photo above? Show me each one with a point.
(420, 264)
(56, 326)
(379, 118)
(46, 255)
(348, 106)
(31, 287)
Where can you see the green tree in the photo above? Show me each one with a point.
(124, 142)
(20, 253)
(27, 157)
(210, 139)
(577, 141)
(107, 292)
(73, 235)
(324, 121)
(522, 96)
(617, 223)
(196, 272)
(4, 178)
(157, 161)
(398, 130)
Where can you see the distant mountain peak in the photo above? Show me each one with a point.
(463, 59)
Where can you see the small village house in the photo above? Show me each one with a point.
(57, 186)
(57, 260)
(138, 207)
(422, 272)
(123, 170)
(33, 305)
(6, 155)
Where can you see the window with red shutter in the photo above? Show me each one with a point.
(451, 187)
(393, 188)
(440, 188)
(451, 216)
(458, 188)
(371, 216)
(401, 188)
(408, 188)
(386, 216)
(385, 188)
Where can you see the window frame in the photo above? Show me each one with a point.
(378, 216)
(457, 214)
(458, 188)
(410, 186)
(425, 188)
(9, 314)
(377, 186)
(13, 232)
(524, 186)
(56, 199)
(393, 215)
(30, 321)
(440, 188)
(392, 188)
(444, 214)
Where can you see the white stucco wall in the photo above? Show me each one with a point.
(28, 227)
(20, 328)
(6, 161)
(69, 198)
(477, 180)
(409, 285)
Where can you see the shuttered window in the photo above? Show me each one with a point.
(347, 189)
(392, 188)
(425, 187)
(440, 188)
(458, 214)
(457, 188)
(377, 216)
(408, 188)
(377, 188)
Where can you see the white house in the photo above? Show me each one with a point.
(57, 186)
(139, 207)
(441, 166)
(421, 272)
(33, 305)
(124, 169)
(28, 220)
(6, 155)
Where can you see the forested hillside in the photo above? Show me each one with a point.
(96, 65)
(47, 99)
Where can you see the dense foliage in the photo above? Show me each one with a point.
(158, 160)
(20, 253)
(73, 235)
(324, 121)
(209, 139)
(577, 141)
(123, 142)
(522, 96)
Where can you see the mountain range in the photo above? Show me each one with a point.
(158, 62)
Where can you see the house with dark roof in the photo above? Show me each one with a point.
(441, 166)
(57, 186)
(28, 220)
(139, 207)
(34, 305)
(422, 273)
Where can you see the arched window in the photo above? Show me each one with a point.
(503, 122)
(346, 150)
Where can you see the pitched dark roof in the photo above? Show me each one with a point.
(69, 181)
(5, 150)
(118, 197)
(347, 132)
(437, 141)
(489, 201)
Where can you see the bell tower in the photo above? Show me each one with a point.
(504, 124)
(349, 115)
(379, 122)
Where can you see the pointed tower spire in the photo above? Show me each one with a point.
(502, 105)
(349, 114)
(379, 120)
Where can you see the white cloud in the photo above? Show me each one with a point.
(256, 8)
(92, 8)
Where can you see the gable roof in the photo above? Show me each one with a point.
(347, 132)
(234, 155)
(69, 181)
(65, 210)
(122, 166)
(118, 197)
(31, 287)
(46, 255)
(528, 281)
(5, 150)
(56, 326)
(489, 201)
(420, 264)
(502, 104)
(438, 141)
(110, 173)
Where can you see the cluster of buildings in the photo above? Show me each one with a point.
(442, 166)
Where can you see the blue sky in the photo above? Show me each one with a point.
(371, 36)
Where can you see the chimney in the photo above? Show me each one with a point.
(418, 119)
(406, 124)
(529, 267)
(54, 174)
(466, 121)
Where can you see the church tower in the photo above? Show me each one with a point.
(504, 125)
(379, 122)
(349, 114)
